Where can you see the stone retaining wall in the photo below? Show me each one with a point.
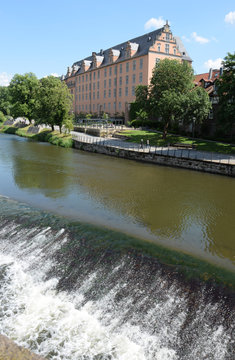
(199, 165)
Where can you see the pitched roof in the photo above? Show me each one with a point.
(215, 74)
(141, 44)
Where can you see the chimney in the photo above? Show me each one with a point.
(210, 74)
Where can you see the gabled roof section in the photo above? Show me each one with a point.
(140, 44)
(180, 45)
(210, 76)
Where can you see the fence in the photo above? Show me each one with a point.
(168, 151)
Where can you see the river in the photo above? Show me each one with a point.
(77, 281)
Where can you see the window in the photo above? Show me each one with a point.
(90, 76)
(89, 96)
(133, 78)
(79, 97)
(86, 77)
(82, 96)
(127, 79)
(105, 72)
(120, 81)
(167, 48)
(86, 87)
(98, 95)
(98, 74)
(134, 65)
(86, 96)
(120, 69)
(141, 63)
(120, 92)
(93, 107)
(93, 95)
(109, 105)
(159, 47)
(141, 77)
(115, 70)
(104, 93)
(119, 105)
(79, 89)
(157, 60)
(110, 71)
(174, 51)
(90, 107)
(82, 87)
(104, 106)
(114, 92)
(109, 93)
(86, 107)
(115, 81)
(127, 67)
(105, 84)
(114, 106)
(79, 80)
(93, 86)
(94, 75)
(167, 36)
(98, 85)
(126, 91)
(82, 78)
(109, 82)
(133, 91)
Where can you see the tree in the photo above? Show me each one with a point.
(141, 101)
(4, 100)
(171, 85)
(226, 92)
(196, 106)
(23, 93)
(54, 103)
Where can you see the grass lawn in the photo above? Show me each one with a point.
(155, 139)
(46, 135)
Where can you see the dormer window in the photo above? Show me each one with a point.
(167, 36)
(158, 47)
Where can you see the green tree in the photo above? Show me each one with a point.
(23, 93)
(4, 100)
(141, 102)
(226, 92)
(195, 106)
(170, 83)
(54, 103)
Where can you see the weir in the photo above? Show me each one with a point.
(66, 294)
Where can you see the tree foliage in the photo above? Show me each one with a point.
(23, 92)
(226, 92)
(54, 103)
(5, 100)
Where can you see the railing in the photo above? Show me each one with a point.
(168, 151)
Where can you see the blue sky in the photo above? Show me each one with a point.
(46, 36)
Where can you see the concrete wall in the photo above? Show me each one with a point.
(199, 165)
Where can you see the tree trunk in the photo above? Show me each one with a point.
(52, 126)
(165, 130)
(60, 128)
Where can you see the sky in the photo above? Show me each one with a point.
(46, 36)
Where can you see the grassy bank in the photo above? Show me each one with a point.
(155, 139)
(46, 135)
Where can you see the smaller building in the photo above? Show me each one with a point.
(209, 82)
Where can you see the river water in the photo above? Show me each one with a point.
(79, 278)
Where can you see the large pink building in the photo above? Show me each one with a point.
(106, 81)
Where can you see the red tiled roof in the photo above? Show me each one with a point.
(205, 76)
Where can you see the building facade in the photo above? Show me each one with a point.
(106, 81)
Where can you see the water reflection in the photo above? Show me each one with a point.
(188, 210)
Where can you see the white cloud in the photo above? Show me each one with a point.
(154, 23)
(214, 64)
(199, 39)
(185, 38)
(55, 74)
(5, 79)
(230, 17)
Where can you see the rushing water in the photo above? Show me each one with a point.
(74, 291)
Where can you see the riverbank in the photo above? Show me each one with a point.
(45, 135)
(174, 158)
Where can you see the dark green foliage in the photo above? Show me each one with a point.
(2, 117)
(226, 92)
(5, 104)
